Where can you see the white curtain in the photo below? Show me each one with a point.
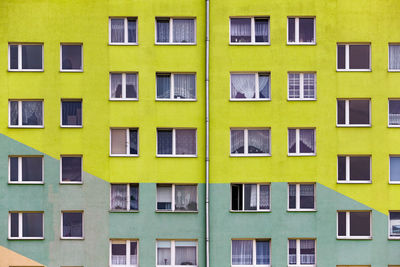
(242, 252)
(258, 141)
(184, 86)
(292, 251)
(185, 253)
(294, 85)
(263, 85)
(309, 85)
(185, 142)
(243, 86)
(241, 29)
(131, 85)
(164, 197)
(262, 252)
(119, 197)
(307, 251)
(117, 30)
(14, 113)
(237, 141)
(307, 190)
(32, 113)
(261, 30)
(307, 141)
(292, 140)
(163, 252)
(163, 86)
(183, 30)
(264, 197)
(118, 259)
(250, 196)
(394, 57)
(185, 197)
(162, 31)
(116, 85)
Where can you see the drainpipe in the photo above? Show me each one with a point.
(207, 133)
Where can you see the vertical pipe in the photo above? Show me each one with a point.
(207, 133)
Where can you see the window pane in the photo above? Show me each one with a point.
(359, 224)
(306, 30)
(131, 86)
(13, 169)
(264, 197)
(185, 253)
(341, 112)
(292, 196)
(394, 218)
(243, 86)
(13, 57)
(360, 168)
(292, 140)
(32, 224)
(341, 223)
(162, 31)
(341, 168)
(307, 252)
(133, 141)
(119, 197)
(164, 197)
(237, 197)
(261, 30)
(184, 86)
(134, 195)
(263, 84)
(72, 224)
(132, 30)
(309, 85)
(31, 57)
(258, 141)
(359, 111)
(395, 169)
(262, 252)
(183, 30)
(14, 113)
(237, 141)
(294, 85)
(14, 224)
(71, 57)
(186, 197)
(359, 56)
(307, 142)
(164, 142)
(242, 252)
(116, 85)
(164, 86)
(118, 141)
(292, 251)
(71, 169)
(394, 57)
(32, 113)
(118, 254)
(32, 169)
(72, 113)
(394, 112)
(291, 30)
(307, 196)
(250, 196)
(133, 253)
(341, 57)
(117, 30)
(163, 253)
(240, 30)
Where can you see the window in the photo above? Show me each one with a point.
(394, 112)
(394, 224)
(25, 57)
(124, 197)
(71, 169)
(354, 224)
(71, 57)
(176, 252)
(354, 57)
(26, 169)
(302, 86)
(250, 142)
(301, 197)
(302, 142)
(25, 225)
(123, 31)
(353, 112)
(71, 113)
(124, 142)
(176, 197)
(123, 86)
(302, 252)
(175, 31)
(354, 169)
(394, 166)
(394, 57)
(124, 253)
(254, 30)
(176, 142)
(176, 86)
(250, 86)
(301, 30)
(72, 225)
(250, 197)
(26, 113)
(253, 252)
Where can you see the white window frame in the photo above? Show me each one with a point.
(127, 143)
(172, 87)
(171, 31)
(62, 225)
(389, 229)
(125, 31)
(298, 254)
(348, 236)
(61, 113)
(173, 198)
(61, 48)
(392, 99)
(258, 198)
(71, 156)
(253, 31)
(298, 142)
(347, 57)
(20, 69)
(298, 197)
(173, 251)
(301, 74)
(246, 142)
(124, 98)
(257, 91)
(394, 156)
(128, 252)
(347, 113)
(20, 225)
(128, 197)
(20, 125)
(297, 31)
(174, 155)
(254, 252)
(20, 170)
(389, 69)
(348, 181)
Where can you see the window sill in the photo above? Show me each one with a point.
(395, 238)
(295, 44)
(353, 70)
(249, 155)
(26, 127)
(123, 211)
(72, 71)
(301, 210)
(301, 99)
(123, 44)
(176, 156)
(250, 43)
(396, 183)
(355, 182)
(301, 155)
(354, 238)
(250, 211)
(124, 99)
(71, 126)
(302, 265)
(184, 44)
(25, 183)
(353, 125)
(25, 238)
(177, 211)
(251, 265)
(72, 238)
(33, 70)
(393, 70)
(249, 100)
(176, 100)
(123, 156)
(71, 183)
(393, 126)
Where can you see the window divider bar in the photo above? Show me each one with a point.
(128, 197)
(171, 31)
(258, 196)
(348, 168)
(347, 112)
(173, 141)
(123, 85)
(172, 86)
(301, 87)
(19, 57)
(297, 141)
(297, 30)
(126, 30)
(253, 31)
(128, 252)
(347, 223)
(254, 252)
(297, 196)
(19, 113)
(246, 142)
(19, 169)
(298, 251)
(257, 89)
(347, 56)
(20, 225)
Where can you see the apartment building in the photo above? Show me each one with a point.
(104, 144)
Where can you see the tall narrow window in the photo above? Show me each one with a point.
(71, 169)
(394, 173)
(354, 224)
(394, 112)
(25, 225)
(176, 253)
(124, 197)
(71, 113)
(175, 31)
(394, 224)
(302, 252)
(354, 57)
(250, 86)
(301, 197)
(123, 31)
(253, 30)
(394, 57)
(302, 86)
(250, 197)
(176, 142)
(176, 197)
(353, 112)
(301, 30)
(25, 57)
(25, 169)
(72, 224)
(27, 113)
(302, 142)
(253, 252)
(250, 142)
(176, 86)
(123, 86)
(354, 169)
(124, 253)
(124, 142)
(71, 57)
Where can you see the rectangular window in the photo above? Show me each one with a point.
(25, 170)
(123, 86)
(71, 57)
(302, 86)
(251, 252)
(176, 86)
(250, 197)
(123, 31)
(250, 142)
(394, 172)
(354, 224)
(302, 252)
(394, 224)
(353, 112)
(354, 169)
(25, 57)
(124, 197)
(176, 197)
(250, 86)
(301, 142)
(301, 197)
(394, 112)
(124, 142)
(71, 169)
(175, 31)
(71, 113)
(176, 142)
(301, 30)
(253, 30)
(354, 57)
(394, 57)
(124, 253)
(25, 225)
(176, 253)
(25, 113)
(72, 224)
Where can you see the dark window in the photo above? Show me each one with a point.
(359, 111)
(32, 57)
(237, 197)
(261, 30)
(134, 196)
(359, 56)
(164, 142)
(359, 168)
(131, 30)
(341, 223)
(163, 30)
(13, 57)
(72, 113)
(164, 86)
(71, 169)
(133, 141)
(341, 56)
(72, 224)
(14, 225)
(32, 224)
(14, 169)
(240, 30)
(394, 112)
(306, 30)
(250, 197)
(341, 111)
(359, 223)
(292, 30)
(306, 196)
(71, 57)
(341, 168)
(292, 196)
(32, 169)
(118, 249)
